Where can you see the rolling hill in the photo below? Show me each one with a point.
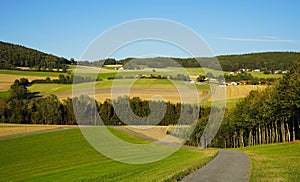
(13, 56)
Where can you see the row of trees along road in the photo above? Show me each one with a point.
(270, 116)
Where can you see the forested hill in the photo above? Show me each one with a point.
(12, 56)
(266, 60)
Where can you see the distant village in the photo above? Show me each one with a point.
(243, 77)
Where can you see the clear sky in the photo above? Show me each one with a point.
(66, 27)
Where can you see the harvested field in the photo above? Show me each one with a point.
(236, 92)
(6, 80)
(13, 129)
(171, 95)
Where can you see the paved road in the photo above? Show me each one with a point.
(229, 165)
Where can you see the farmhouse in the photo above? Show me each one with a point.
(232, 83)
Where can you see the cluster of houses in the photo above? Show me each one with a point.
(239, 71)
(242, 82)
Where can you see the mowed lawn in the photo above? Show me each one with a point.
(274, 162)
(67, 156)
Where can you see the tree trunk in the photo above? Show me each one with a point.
(263, 138)
(273, 133)
(282, 131)
(257, 138)
(253, 139)
(267, 134)
(250, 140)
(241, 139)
(288, 135)
(259, 135)
(276, 133)
(234, 144)
(294, 132)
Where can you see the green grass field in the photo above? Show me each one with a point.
(141, 83)
(4, 94)
(262, 75)
(274, 162)
(67, 156)
(230, 103)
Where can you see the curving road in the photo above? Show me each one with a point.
(229, 165)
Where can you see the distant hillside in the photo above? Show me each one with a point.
(266, 60)
(12, 56)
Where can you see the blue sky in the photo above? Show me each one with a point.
(65, 28)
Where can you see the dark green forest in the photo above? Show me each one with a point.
(267, 60)
(13, 56)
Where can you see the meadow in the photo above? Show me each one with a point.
(274, 162)
(262, 75)
(67, 156)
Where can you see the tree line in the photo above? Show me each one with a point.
(68, 79)
(25, 107)
(269, 61)
(181, 77)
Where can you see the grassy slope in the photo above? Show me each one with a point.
(230, 103)
(274, 162)
(66, 156)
